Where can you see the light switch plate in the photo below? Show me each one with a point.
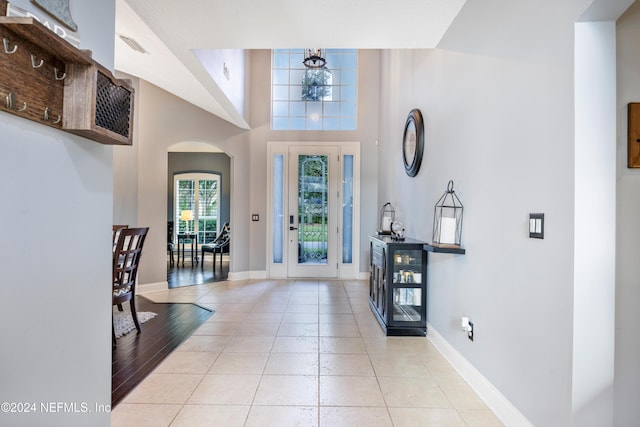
(536, 225)
(255, 217)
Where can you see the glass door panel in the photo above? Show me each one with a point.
(313, 217)
(185, 201)
(313, 209)
(407, 266)
(347, 208)
(407, 304)
(407, 273)
(207, 210)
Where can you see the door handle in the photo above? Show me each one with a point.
(291, 228)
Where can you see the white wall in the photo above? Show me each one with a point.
(366, 133)
(164, 120)
(215, 61)
(482, 132)
(500, 99)
(55, 258)
(125, 170)
(627, 374)
(498, 102)
(594, 265)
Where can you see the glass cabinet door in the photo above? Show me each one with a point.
(407, 304)
(407, 286)
(407, 267)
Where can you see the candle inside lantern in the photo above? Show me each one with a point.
(447, 230)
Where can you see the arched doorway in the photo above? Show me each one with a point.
(198, 180)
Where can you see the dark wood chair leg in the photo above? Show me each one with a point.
(119, 307)
(221, 252)
(113, 334)
(134, 314)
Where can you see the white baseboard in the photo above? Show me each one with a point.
(152, 287)
(358, 276)
(238, 275)
(259, 275)
(496, 401)
(246, 275)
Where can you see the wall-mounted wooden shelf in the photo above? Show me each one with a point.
(45, 79)
(30, 29)
(445, 249)
(97, 105)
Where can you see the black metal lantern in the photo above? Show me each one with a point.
(447, 219)
(387, 215)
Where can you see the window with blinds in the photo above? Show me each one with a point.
(198, 194)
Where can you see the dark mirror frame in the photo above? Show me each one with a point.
(412, 166)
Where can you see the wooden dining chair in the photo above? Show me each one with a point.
(116, 233)
(126, 259)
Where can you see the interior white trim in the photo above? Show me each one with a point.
(246, 275)
(496, 401)
(345, 271)
(260, 275)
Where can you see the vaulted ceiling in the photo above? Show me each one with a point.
(170, 32)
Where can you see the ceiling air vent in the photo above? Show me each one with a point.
(133, 44)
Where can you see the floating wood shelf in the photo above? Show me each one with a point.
(45, 79)
(33, 31)
(443, 248)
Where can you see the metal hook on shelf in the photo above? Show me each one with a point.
(5, 42)
(55, 73)
(33, 62)
(10, 101)
(47, 117)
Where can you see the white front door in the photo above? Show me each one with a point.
(312, 221)
(313, 204)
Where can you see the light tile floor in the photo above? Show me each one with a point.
(298, 353)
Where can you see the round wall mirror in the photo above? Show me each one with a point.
(413, 142)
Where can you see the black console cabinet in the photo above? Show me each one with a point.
(398, 285)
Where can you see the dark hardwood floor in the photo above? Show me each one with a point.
(198, 274)
(137, 355)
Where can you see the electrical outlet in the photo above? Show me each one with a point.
(467, 326)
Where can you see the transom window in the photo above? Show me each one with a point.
(313, 98)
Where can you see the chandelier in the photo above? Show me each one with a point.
(315, 58)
